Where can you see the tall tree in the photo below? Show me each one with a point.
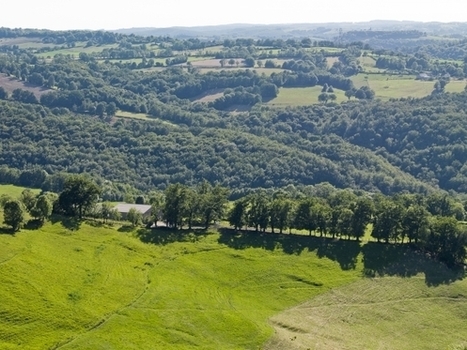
(175, 204)
(303, 219)
(387, 222)
(281, 209)
(237, 215)
(415, 223)
(79, 194)
(28, 198)
(446, 241)
(42, 209)
(13, 214)
(362, 214)
(134, 217)
(212, 201)
(258, 213)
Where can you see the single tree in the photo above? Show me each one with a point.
(237, 215)
(79, 194)
(175, 204)
(105, 212)
(28, 198)
(323, 97)
(42, 209)
(362, 215)
(13, 214)
(280, 213)
(134, 217)
(258, 211)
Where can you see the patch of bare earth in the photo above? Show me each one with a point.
(11, 83)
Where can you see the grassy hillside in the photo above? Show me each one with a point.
(14, 191)
(109, 288)
(99, 288)
(425, 311)
(302, 96)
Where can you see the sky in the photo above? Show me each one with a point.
(104, 14)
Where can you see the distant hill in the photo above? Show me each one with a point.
(316, 30)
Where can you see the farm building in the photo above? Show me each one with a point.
(124, 208)
(424, 76)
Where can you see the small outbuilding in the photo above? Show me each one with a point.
(124, 208)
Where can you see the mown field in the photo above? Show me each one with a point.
(416, 305)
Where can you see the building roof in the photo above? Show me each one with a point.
(125, 208)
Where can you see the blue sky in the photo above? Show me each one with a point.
(99, 14)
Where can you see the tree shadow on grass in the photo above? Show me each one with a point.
(342, 251)
(380, 259)
(164, 236)
(34, 224)
(7, 231)
(70, 223)
(345, 252)
(126, 228)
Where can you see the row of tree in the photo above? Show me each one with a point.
(427, 223)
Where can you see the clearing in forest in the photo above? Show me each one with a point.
(12, 83)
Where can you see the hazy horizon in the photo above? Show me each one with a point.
(87, 14)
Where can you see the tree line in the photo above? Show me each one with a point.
(428, 223)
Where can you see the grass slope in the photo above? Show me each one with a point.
(426, 311)
(302, 96)
(15, 191)
(96, 288)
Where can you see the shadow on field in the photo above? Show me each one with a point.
(6, 231)
(70, 223)
(163, 235)
(126, 228)
(381, 259)
(34, 224)
(343, 251)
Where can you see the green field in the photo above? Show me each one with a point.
(425, 311)
(397, 86)
(69, 286)
(75, 51)
(97, 288)
(302, 96)
(14, 191)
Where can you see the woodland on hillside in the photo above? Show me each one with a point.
(236, 139)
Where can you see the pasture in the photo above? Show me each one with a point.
(302, 96)
(388, 86)
(94, 287)
(72, 285)
(14, 191)
(75, 51)
(410, 303)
